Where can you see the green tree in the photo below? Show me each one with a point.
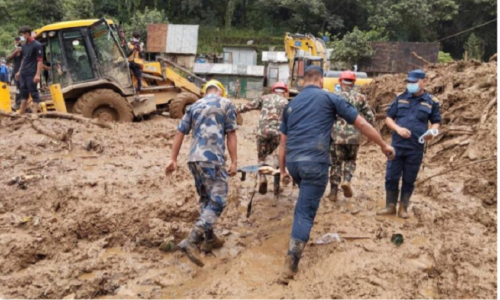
(409, 20)
(444, 57)
(474, 47)
(78, 9)
(353, 48)
(140, 21)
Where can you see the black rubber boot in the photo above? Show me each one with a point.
(391, 199)
(347, 189)
(334, 190)
(291, 266)
(262, 184)
(189, 247)
(403, 205)
(211, 242)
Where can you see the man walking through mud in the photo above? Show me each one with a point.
(211, 119)
(346, 138)
(268, 133)
(304, 150)
(408, 116)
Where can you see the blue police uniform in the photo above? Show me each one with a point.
(413, 113)
(307, 123)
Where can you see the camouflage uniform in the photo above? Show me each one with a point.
(346, 138)
(268, 134)
(210, 118)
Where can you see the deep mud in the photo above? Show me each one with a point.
(88, 223)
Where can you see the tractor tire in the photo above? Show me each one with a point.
(104, 104)
(178, 104)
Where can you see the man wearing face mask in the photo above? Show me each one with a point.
(408, 116)
(346, 138)
(17, 57)
(304, 150)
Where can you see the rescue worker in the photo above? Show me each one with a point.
(304, 150)
(30, 70)
(211, 120)
(268, 132)
(408, 117)
(346, 138)
(136, 48)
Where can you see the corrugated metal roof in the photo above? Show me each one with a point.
(182, 39)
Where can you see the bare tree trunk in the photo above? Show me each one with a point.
(229, 13)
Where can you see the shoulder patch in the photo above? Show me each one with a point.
(426, 104)
(404, 101)
(434, 99)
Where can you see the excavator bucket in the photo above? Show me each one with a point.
(5, 103)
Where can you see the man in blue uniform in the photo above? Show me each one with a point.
(305, 151)
(408, 116)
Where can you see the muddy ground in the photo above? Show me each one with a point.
(87, 223)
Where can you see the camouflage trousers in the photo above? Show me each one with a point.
(211, 186)
(343, 162)
(266, 145)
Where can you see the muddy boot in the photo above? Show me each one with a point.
(292, 261)
(334, 189)
(391, 199)
(189, 247)
(211, 242)
(346, 188)
(403, 205)
(262, 184)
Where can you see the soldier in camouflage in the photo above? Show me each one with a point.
(268, 134)
(346, 138)
(210, 120)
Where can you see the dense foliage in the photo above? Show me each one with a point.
(394, 20)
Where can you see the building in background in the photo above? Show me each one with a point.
(400, 57)
(276, 67)
(177, 43)
(240, 55)
(244, 81)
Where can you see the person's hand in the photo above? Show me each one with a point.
(389, 151)
(233, 169)
(285, 177)
(404, 133)
(18, 74)
(36, 79)
(171, 166)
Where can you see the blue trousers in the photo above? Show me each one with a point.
(406, 164)
(312, 179)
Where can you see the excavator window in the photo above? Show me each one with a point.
(77, 56)
(111, 60)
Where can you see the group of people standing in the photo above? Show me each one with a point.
(316, 131)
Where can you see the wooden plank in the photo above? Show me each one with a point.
(157, 38)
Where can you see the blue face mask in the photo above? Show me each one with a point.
(413, 87)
